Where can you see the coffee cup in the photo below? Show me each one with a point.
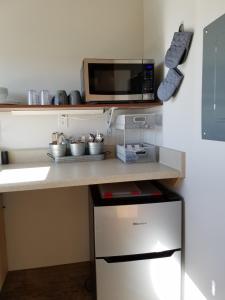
(61, 98)
(75, 98)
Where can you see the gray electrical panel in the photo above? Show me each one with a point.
(213, 81)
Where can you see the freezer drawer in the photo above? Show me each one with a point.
(150, 279)
(133, 229)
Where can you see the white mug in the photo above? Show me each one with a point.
(45, 97)
(33, 97)
(3, 93)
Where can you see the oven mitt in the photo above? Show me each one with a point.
(170, 84)
(179, 48)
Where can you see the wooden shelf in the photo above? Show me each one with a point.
(22, 107)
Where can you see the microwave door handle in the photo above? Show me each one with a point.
(135, 257)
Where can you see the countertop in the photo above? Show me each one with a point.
(44, 175)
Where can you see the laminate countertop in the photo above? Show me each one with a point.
(45, 175)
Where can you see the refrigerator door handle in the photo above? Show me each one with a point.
(135, 257)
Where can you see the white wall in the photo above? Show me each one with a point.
(203, 189)
(43, 43)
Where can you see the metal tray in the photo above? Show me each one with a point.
(81, 158)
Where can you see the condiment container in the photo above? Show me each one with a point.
(4, 157)
(95, 148)
(58, 150)
(77, 149)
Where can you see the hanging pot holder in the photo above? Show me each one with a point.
(179, 48)
(170, 85)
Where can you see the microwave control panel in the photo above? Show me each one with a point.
(148, 82)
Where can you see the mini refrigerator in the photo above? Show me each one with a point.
(136, 244)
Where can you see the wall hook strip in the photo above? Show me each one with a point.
(181, 27)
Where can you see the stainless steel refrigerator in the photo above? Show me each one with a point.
(137, 246)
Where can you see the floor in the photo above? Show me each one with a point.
(67, 282)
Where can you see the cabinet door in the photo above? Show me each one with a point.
(3, 256)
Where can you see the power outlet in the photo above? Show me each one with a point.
(63, 121)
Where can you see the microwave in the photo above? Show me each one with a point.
(118, 80)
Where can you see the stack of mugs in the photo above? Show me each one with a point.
(60, 98)
(3, 94)
(35, 98)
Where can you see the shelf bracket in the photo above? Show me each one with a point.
(109, 121)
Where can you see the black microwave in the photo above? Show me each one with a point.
(118, 80)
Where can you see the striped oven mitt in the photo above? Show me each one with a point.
(179, 48)
(170, 85)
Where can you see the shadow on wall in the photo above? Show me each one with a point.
(192, 291)
(154, 39)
